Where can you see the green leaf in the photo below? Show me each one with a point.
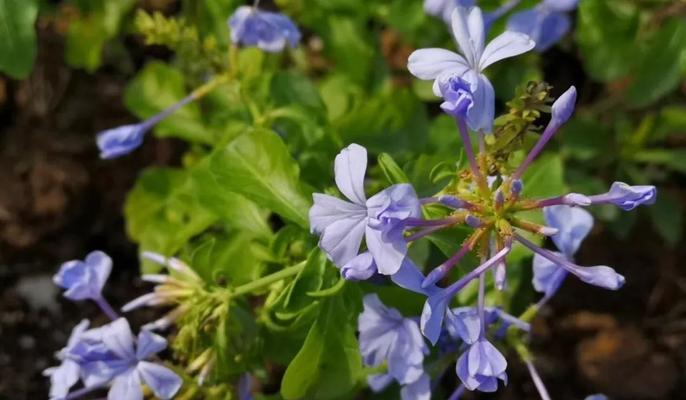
(17, 37)
(258, 166)
(158, 86)
(232, 208)
(87, 35)
(309, 279)
(394, 174)
(329, 362)
(659, 70)
(606, 34)
(668, 218)
(162, 213)
(674, 159)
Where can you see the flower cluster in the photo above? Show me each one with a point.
(491, 203)
(109, 355)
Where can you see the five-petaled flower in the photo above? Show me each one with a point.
(379, 219)
(440, 65)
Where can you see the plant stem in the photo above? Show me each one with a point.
(268, 280)
(106, 308)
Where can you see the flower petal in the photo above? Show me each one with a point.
(341, 240)
(126, 386)
(548, 276)
(161, 380)
(468, 29)
(388, 248)
(118, 338)
(101, 265)
(507, 44)
(430, 63)
(349, 168)
(553, 27)
(149, 344)
(328, 209)
(360, 268)
(573, 225)
(480, 116)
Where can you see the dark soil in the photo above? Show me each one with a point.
(59, 201)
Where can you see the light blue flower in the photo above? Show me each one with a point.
(269, 31)
(573, 226)
(627, 197)
(64, 376)
(480, 367)
(457, 97)
(546, 23)
(550, 267)
(122, 140)
(84, 279)
(386, 336)
(379, 219)
(126, 366)
(440, 65)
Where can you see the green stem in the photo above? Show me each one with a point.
(268, 280)
(209, 86)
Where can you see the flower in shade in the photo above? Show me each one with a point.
(546, 23)
(126, 366)
(172, 289)
(573, 226)
(597, 396)
(64, 376)
(386, 336)
(480, 367)
(380, 220)
(439, 64)
(269, 31)
(84, 279)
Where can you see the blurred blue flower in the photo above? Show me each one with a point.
(125, 365)
(444, 9)
(122, 140)
(480, 367)
(385, 336)
(269, 31)
(546, 23)
(84, 279)
(64, 376)
(379, 219)
(597, 396)
(440, 65)
(573, 226)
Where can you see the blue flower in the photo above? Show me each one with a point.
(573, 226)
(269, 31)
(440, 65)
(386, 336)
(379, 219)
(84, 279)
(626, 197)
(545, 24)
(125, 365)
(122, 140)
(480, 367)
(457, 97)
(64, 376)
(444, 8)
